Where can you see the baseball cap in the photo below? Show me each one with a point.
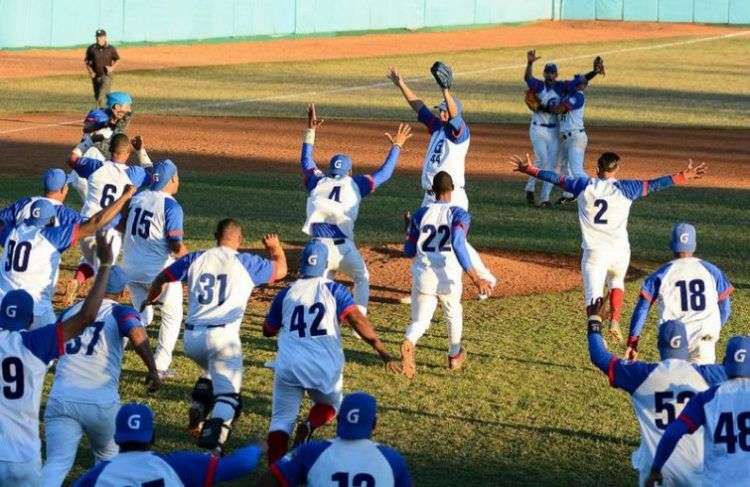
(314, 261)
(162, 174)
(95, 120)
(118, 98)
(116, 281)
(579, 78)
(54, 180)
(673, 340)
(550, 68)
(134, 424)
(101, 32)
(736, 360)
(356, 418)
(683, 238)
(443, 107)
(16, 310)
(42, 212)
(340, 165)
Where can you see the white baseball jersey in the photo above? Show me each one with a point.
(31, 260)
(307, 316)
(573, 118)
(23, 364)
(132, 469)
(334, 201)
(447, 149)
(549, 95)
(106, 182)
(154, 219)
(603, 211)
(89, 372)
(220, 281)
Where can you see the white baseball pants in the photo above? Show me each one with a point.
(346, 258)
(603, 268)
(287, 400)
(573, 155)
(423, 308)
(218, 352)
(702, 342)
(28, 474)
(64, 425)
(88, 248)
(171, 318)
(545, 141)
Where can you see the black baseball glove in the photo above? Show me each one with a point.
(443, 74)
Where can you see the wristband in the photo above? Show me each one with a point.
(595, 324)
(310, 136)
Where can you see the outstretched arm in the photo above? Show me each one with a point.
(369, 183)
(362, 326)
(411, 98)
(140, 152)
(526, 166)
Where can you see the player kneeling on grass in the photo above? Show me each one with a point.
(688, 289)
(437, 241)
(137, 465)
(603, 210)
(219, 281)
(307, 317)
(658, 392)
(84, 395)
(351, 458)
(24, 356)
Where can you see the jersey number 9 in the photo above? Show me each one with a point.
(12, 371)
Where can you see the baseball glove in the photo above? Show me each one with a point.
(532, 101)
(599, 66)
(443, 74)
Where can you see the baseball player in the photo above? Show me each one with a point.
(32, 251)
(136, 465)
(688, 289)
(55, 186)
(437, 242)
(351, 458)
(307, 317)
(333, 204)
(219, 281)
(723, 411)
(24, 355)
(106, 181)
(447, 148)
(544, 131)
(152, 238)
(658, 392)
(84, 396)
(603, 210)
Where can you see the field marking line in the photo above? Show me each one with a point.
(383, 84)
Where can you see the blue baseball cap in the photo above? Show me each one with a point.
(579, 78)
(550, 68)
(54, 180)
(95, 120)
(356, 418)
(684, 238)
(42, 213)
(314, 261)
(16, 310)
(134, 424)
(340, 165)
(673, 340)
(162, 174)
(736, 359)
(118, 98)
(116, 281)
(443, 107)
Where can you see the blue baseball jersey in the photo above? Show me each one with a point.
(20, 210)
(342, 462)
(446, 150)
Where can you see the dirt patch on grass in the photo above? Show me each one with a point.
(48, 62)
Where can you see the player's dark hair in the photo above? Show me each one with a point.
(225, 226)
(442, 183)
(119, 143)
(608, 162)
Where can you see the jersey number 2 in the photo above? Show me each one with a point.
(299, 324)
(599, 217)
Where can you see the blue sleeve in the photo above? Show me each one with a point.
(44, 342)
(127, 318)
(89, 478)
(723, 287)
(5, 233)
(261, 270)
(575, 186)
(68, 216)
(535, 84)
(191, 467)
(8, 214)
(401, 475)
(368, 184)
(292, 469)
(178, 270)
(138, 176)
(62, 237)
(622, 374)
(85, 166)
(574, 101)
(691, 418)
(310, 170)
(631, 188)
(344, 299)
(275, 315)
(429, 119)
(725, 310)
(457, 130)
(712, 373)
(459, 230)
(412, 237)
(173, 217)
(638, 320)
(238, 464)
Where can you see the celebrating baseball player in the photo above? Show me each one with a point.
(333, 203)
(723, 412)
(688, 289)
(447, 148)
(437, 242)
(84, 396)
(152, 238)
(351, 458)
(24, 355)
(544, 130)
(603, 210)
(658, 392)
(32, 251)
(307, 317)
(220, 281)
(136, 465)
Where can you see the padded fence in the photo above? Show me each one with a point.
(698, 11)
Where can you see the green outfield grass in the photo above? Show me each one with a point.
(528, 409)
(698, 84)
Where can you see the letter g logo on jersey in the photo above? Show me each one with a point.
(11, 311)
(675, 342)
(740, 355)
(353, 416)
(134, 421)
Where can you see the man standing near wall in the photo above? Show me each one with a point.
(100, 61)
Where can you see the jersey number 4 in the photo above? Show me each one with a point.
(18, 256)
(12, 372)
(298, 323)
(358, 480)
(432, 231)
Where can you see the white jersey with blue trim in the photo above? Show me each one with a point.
(89, 372)
(359, 459)
(434, 246)
(443, 154)
(334, 200)
(603, 212)
(572, 120)
(106, 184)
(145, 240)
(727, 434)
(657, 402)
(548, 96)
(138, 469)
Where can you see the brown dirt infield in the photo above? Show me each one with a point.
(47, 62)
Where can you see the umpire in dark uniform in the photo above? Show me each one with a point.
(100, 61)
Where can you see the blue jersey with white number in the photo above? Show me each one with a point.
(341, 462)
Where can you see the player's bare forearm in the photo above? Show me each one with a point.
(450, 103)
(139, 339)
(156, 289)
(274, 248)
(362, 326)
(529, 71)
(177, 248)
(411, 98)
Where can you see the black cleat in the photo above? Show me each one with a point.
(564, 201)
(530, 198)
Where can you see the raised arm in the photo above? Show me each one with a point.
(140, 152)
(273, 245)
(411, 98)
(526, 166)
(103, 217)
(310, 171)
(362, 326)
(531, 57)
(368, 184)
